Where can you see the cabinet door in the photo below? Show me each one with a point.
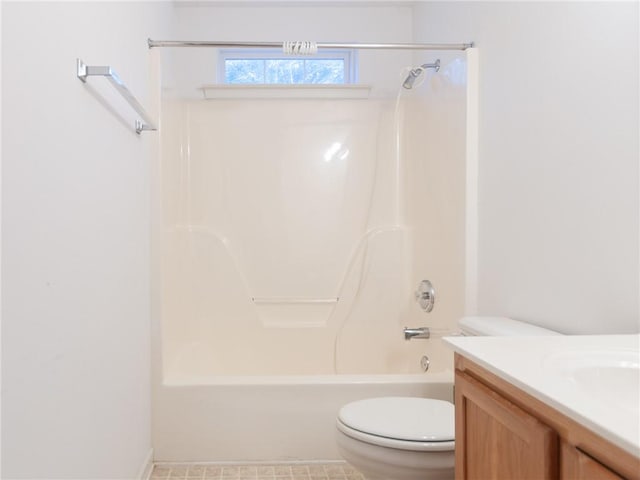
(577, 465)
(496, 440)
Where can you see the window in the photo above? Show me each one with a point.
(273, 67)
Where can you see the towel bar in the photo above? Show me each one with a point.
(84, 71)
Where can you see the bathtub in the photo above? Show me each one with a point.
(268, 418)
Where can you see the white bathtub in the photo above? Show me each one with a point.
(268, 418)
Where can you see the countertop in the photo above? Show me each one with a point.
(571, 374)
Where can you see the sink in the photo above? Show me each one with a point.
(610, 376)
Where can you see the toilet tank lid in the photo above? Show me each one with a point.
(501, 327)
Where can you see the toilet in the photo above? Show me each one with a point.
(411, 438)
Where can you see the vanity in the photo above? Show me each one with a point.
(562, 407)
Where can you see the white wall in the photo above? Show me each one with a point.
(0, 251)
(558, 186)
(75, 246)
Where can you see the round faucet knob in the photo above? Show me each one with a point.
(426, 295)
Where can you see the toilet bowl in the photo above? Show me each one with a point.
(399, 438)
(408, 438)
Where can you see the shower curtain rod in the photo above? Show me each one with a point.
(370, 46)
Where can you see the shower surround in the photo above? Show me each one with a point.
(293, 234)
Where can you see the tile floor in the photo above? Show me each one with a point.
(297, 471)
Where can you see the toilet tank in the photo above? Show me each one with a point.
(500, 327)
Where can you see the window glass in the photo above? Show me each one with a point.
(325, 71)
(244, 71)
(273, 67)
(284, 71)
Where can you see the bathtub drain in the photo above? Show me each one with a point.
(424, 363)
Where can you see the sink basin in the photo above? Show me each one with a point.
(610, 376)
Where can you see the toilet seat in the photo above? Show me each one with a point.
(406, 423)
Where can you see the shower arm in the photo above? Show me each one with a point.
(435, 65)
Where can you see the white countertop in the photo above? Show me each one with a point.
(545, 368)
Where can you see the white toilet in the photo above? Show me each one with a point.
(409, 438)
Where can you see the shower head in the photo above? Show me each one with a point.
(411, 78)
(414, 73)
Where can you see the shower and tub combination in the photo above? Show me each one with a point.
(292, 232)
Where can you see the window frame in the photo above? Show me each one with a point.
(348, 56)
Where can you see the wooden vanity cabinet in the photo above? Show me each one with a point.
(503, 433)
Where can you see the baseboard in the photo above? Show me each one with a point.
(147, 467)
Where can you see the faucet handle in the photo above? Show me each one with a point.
(425, 295)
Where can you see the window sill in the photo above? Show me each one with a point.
(212, 92)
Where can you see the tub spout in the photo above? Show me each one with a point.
(422, 332)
